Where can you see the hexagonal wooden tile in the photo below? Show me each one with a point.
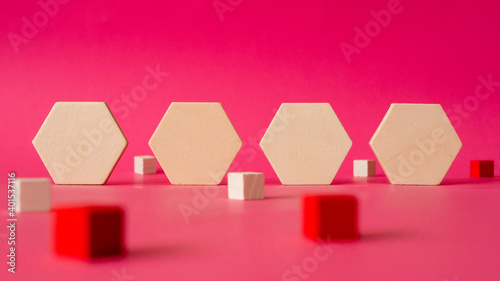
(80, 142)
(415, 144)
(305, 143)
(195, 143)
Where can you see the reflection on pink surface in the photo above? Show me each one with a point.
(255, 56)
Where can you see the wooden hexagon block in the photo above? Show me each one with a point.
(195, 143)
(415, 144)
(305, 143)
(33, 194)
(245, 186)
(80, 143)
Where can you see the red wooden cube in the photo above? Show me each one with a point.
(481, 169)
(330, 217)
(89, 232)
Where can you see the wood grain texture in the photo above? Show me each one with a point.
(195, 143)
(305, 143)
(245, 186)
(33, 194)
(145, 165)
(415, 144)
(80, 142)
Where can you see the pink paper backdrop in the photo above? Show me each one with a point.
(261, 53)
(251, 58)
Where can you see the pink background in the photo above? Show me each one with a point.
(261, 54)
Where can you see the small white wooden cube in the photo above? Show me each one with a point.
(145, 164)
(245, 186)
(365, 168)
(33, 194)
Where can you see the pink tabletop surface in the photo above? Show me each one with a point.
(252, 56)
(440, 233)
